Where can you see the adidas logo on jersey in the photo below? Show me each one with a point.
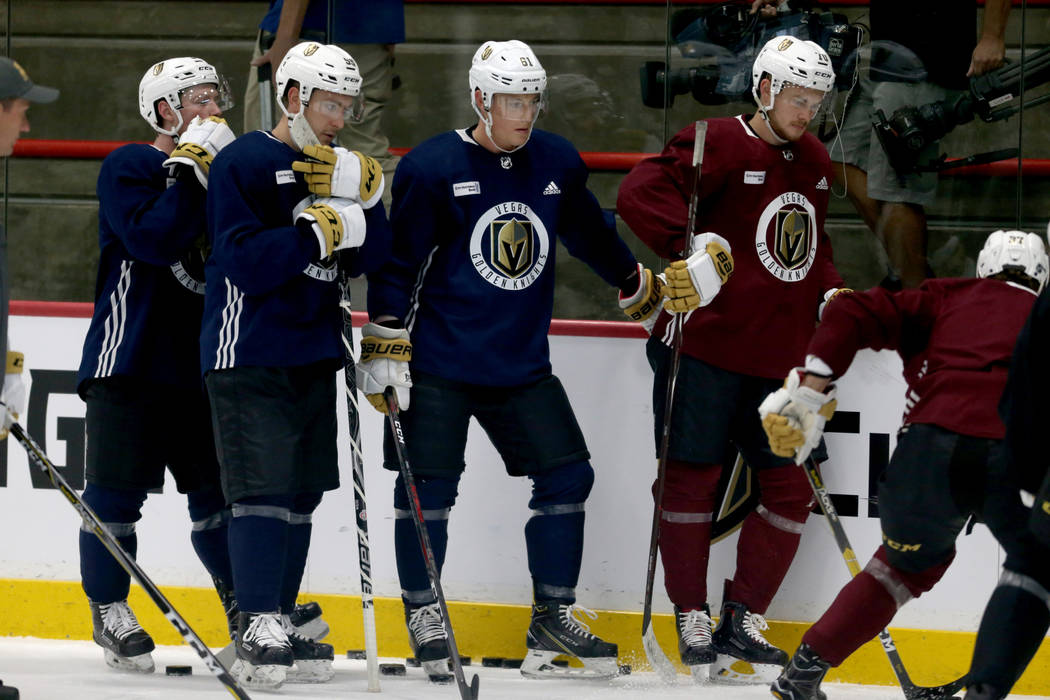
(552, 189)
(823, 184)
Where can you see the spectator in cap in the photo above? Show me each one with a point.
(17, 91)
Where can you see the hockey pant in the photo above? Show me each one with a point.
(553, 533)
(768, 540)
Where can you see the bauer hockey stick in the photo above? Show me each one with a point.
(126, 561)
(911, 691)
(394, 418)
(364, 558)
(657, 658)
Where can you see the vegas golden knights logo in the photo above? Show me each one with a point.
(511, 246)
(311, 49)
(791, 245)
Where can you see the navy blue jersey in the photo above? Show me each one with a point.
(149, 294)
(270, 302)
(475, 232)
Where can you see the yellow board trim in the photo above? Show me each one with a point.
(58, 610)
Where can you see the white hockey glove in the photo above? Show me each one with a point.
(198, 145)
(385, 354)
(828, 296)
(694, 282)
(13, 396)
(794, 416)
(337, 172)
(645, 303)
(337, 223)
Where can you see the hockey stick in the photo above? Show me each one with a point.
(657, 658)
(364, 558)
(37, 456)
(394, 418)
(265, 73)
(911, 691)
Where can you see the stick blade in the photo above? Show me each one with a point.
(657, 658)
(937, 692)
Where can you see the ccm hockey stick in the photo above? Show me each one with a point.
(394, 418)
(126, 561)
(657, 658)
(911, 691)
(364, 558)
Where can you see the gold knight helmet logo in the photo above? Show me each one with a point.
(311, 49)
(791, 245)
(158, 68)
(512, 250)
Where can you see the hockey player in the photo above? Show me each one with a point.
(949, 461)
(139, 373)
(762, 197)
(1017, 617)
(270, 340)
(476, 215)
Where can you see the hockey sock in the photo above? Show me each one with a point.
(103, 579)
(300, 526)
(770, 536)
(685, 530)
(210, 533)
(554, 532)
(436, 496)
(1012, 628)
(258, 542)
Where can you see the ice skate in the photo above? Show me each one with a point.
(556, 631)
(307, 620)
(313, 660)
(8, 692)
(800, 679)
(229, 605)
(126, 645)
(426, 634)
(264, 654)
(983, 691)
(744, 655)
(694, 640)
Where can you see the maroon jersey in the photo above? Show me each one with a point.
(769, 202)
(955, 337)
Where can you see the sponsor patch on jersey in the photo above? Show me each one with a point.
(462, 189)
(754, 177)
(285, 177)
(509, 246)
(786, 238)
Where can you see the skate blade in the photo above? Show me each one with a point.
(437, 671)
(312, 671)
(734, 671)
(539, 664)
(700, 673)
(143, 663)
(316, 629)
(266, 677)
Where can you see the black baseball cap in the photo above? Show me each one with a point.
(15, 82)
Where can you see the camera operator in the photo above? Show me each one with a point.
(920, 53)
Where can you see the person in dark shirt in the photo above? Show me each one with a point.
(139, 372)
(949, 463)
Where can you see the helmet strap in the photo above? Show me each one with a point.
(486, 119)
(764, 111)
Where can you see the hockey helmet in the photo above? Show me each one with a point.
(320, 67)
(791, 61)
(506, 67)
(1014, 251)
(168, 79)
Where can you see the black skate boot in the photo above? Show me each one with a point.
(426, 634)
(800, 679)
(744, 655)
(307, 620)
(983, 691)
(8, 692)
(694, 639)
(313, 660)
(126, 645)
(229, 605)
(264, 653)
(555, 631)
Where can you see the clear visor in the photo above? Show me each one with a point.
(519, 108)
(206, 93)
(809, 100)
(351, 108)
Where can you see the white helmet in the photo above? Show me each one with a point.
(791, 61)
(1014, 250)
(166, 81)
(319, 67)
(506, 67)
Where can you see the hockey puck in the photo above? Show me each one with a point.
(392, 669)
(512, 663)
(178, 671)
(491, 661)
(412, 662)
(463, 661)
(625, 669)
(440, 678)
(356, 654)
